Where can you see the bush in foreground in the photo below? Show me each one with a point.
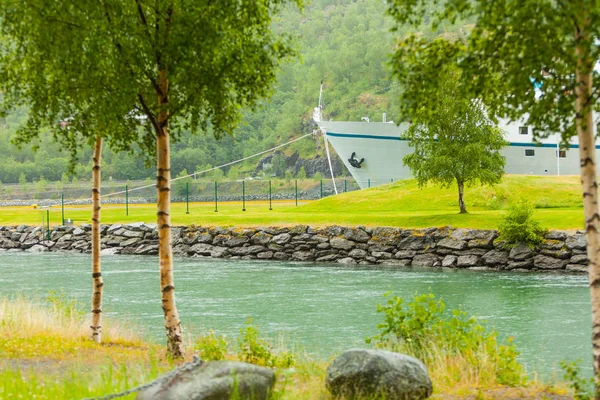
(455, 348)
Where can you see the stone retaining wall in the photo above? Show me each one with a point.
(433, 247)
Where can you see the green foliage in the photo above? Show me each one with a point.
(301, 173)
(354, 33)
(288, 175)
(180, 184)
(211, 347)
(234, 173)
(257, 351)
(453, 140)
(318, 176)
(61, 303)
(422, 327)
(518, 225)
(579, 385)
(218, 174)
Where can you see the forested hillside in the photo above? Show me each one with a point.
(345, 43)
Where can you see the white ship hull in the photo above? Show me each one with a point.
(382, 147)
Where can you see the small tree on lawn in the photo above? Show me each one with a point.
(454, 141)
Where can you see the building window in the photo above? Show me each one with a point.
(562, 153)
(530, 153)
(523, 130)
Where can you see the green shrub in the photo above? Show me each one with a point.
(579, 385)
(517, 225)
(257, 351)
(424, 329)
(211, 347)
(62, 304)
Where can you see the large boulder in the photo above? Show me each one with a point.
(214, 380)
(363, 373)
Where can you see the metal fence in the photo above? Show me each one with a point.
(183, 190)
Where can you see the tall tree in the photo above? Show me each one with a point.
(531, 59)
(453, 140)
(179, 64)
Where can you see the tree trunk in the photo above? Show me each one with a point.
(165, 254)
(587, 154)
(98, 284)
(461, 193)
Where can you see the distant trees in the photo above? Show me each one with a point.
(453, 140)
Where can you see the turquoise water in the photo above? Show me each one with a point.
(320, 307)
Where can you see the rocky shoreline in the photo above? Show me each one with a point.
(433, 247)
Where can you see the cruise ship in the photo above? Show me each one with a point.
(373, 151)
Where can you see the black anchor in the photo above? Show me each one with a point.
(354, 162)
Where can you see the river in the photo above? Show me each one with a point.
(321, 308)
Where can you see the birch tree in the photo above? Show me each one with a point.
(181, 64)
(453, 140)
(531, 59)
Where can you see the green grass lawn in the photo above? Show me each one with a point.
(402, 204)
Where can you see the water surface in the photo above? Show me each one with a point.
(321, 307)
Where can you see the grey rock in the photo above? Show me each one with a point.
(130, 242)
(467, 261)
(261, 238)
(279, 255)
(219, 251)
(363, 373)
(341, 243)
(357, 235)
(214, 380)
(265, 255)
(545, 262)
(577, 268)
(148, 249)
(396, 263)
(424, 260)
(244, 251)
(357, 253)
(386, 236)
(323, 246)
(204, 238)
(282, 238)
(303, 256)
(576, 241)
(453, 244)
(579, 259)
(520, 252)
(495, 257)
(38, 248)
(327, 258)
(553, 244)
(78, 232)
(202, 249)
(137, 234)
(347, 261)
(236, 241)
(563, 254)
(405, 254)
(21, 228)
(109, 251)
(556, 235)
(414, 242)
(298, 229)
(449, 261)
(381, 255)
(521, 265)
